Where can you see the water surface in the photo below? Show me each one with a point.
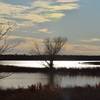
(26, 79)
(16, 80)
(67, 64)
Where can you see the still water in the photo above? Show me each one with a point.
(67, 64)
(16, 80)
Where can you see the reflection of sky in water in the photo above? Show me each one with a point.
(27, 79)
(67, 64)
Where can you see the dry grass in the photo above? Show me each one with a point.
(34, 92)
(47, 92)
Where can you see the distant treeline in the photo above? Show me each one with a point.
(47, 57)
(92, 63)
(63, 71)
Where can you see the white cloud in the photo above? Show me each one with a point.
(82, 49)
(10, 9)
(38, 12)
(27, 43)
(44, 30)
(62, 6)
(54, 15)
(67, 0)
(23, 44)
(91, 40)
(33, 17)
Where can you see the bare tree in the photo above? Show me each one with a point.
(4, 46)
(52, 47)
(4, 29)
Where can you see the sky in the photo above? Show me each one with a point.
(35, 20)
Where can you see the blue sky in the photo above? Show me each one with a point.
(78, 20)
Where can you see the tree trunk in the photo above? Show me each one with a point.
(51, 64)
(51, 79)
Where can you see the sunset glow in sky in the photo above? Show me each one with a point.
(78, 20)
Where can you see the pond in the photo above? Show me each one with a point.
(16, 80)
(57, 64)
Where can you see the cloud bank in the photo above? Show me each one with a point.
(37, 12)
(25, 44)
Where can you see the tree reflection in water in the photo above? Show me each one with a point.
(4, 75)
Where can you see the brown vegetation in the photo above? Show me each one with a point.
(64, 71)
(47, 92)
(86, 93)
(34, 92)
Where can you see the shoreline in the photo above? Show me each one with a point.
(64, 71)
(49, 92)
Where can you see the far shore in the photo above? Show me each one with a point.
(47, 57)
(92, 63)
(94, 71)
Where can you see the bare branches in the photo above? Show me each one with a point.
(4, 29)
(36, 49)
(51, 48)
(4, 75)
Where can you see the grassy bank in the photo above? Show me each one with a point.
(47, 92)
(65, 71)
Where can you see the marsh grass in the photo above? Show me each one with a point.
(48, 92)
(34, 92)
